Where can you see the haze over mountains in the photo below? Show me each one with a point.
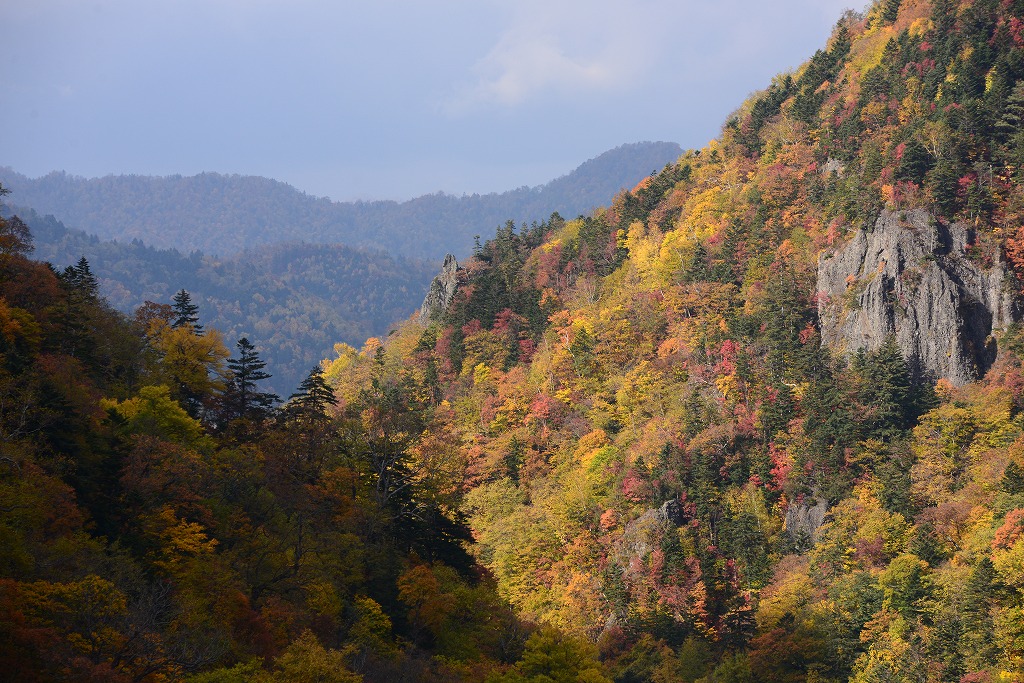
(297, 274)
(293, 301)
(760, 418)
(224, 214)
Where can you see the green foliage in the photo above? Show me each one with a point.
(185, 312)
(551, 657)
(904, 584)
(312, 398)
(243, 406)
(625, 430)
(139, 541)
(293, 301)
(307, 661)
(154, 413)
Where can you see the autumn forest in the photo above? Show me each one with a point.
(761, 418)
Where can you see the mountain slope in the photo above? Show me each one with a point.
(222, 215)
(667, 437)
(664, 457)
(293, 301)
(161, 522)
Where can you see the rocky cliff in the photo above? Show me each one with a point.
(442, 289)
(911, 277)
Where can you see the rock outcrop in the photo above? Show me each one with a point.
(803, 522)
(442, 290)
(911, 277)
(644, 534)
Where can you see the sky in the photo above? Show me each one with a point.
(380, 99)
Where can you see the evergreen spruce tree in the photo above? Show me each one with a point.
(1009, 129)
(1013, 479)
(312, 397)
(82, 311)
(81, 280)
(829, 422)
(186, 312)
(885, 389)
(242, 399)
(1010, 123)
(980, 594)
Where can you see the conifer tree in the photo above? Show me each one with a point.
(83, 306)
(312, 439)
(186, 312)
(242, 398)
(81, 280)
(1013, 113)
(312, 397)
(885, 389)
(1010, 126)
(1013, 479)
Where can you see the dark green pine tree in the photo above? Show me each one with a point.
(1012, 121)
(82, 311)
(80, 279)
(890, 10)
(885, 390)
(829, 424)
(1010, 127)
(242, 399)
(980, 595)
(186, 312)
(840, 47)
(942, 182)
(1013, 479)
(312, 398)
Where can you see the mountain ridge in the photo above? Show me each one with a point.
(223, 214)
(635, 421)
(293, 301)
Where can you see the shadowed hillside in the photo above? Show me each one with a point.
(293, 301)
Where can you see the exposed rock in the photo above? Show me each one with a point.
(803, 523)
(834, 166)
(645, 533)
(442, 290)
(641, 536)
(910, 277)
(672, 511)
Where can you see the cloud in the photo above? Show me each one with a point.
(569, 47)
(582, 48)
(521, 68)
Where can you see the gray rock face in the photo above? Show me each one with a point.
(645, 533)
(910, 277)
(672, 512)
(804, 521)
(442, 290)
(640, 537)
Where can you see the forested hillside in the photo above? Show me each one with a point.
(222, 215)
(293, 301)
(660, 454)
(162, 521)
(691, 436)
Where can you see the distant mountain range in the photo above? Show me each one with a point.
(293, 301)
(295, 273)
(224, 214)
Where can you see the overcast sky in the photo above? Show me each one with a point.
(382, 98)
